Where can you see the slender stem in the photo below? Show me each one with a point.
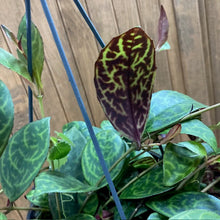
(40, 100)
(197, 170)
(192, 115)
(56, 194)
(25, 208)
(132, 181)
(211, 185)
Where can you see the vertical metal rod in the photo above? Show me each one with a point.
(29, 56)
(82, 107)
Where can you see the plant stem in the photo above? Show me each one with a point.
(103, 177)
(40, 100)
(25, 209)
(192, 115)
(132, 181)
(211, 185)
(56, 194)
(202, 166)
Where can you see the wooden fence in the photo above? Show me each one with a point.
(191, 66)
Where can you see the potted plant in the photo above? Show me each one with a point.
(156, 176)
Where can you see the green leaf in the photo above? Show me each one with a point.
(196, 128)
(91, 205)
(23, 157)
(82, 217)
(41, 200)
(18, 66)
(183, 202)
(148, 185)
(180, 160)
(53, 181)
(124, 76)
(156, 216)
(68, 204)
(2, 216)
(37, 49)
(6, 116)
(81, 126)
(59, 151)
(106, 125)
(112, 147)
(167, 108)
(144, 161)
(73, 165)
(129, 207)
(196, 214)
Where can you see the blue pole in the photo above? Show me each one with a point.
(89, 22)
(82, 107)
(29, 56)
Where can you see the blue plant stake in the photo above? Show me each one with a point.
(29, 56)
(82, 107)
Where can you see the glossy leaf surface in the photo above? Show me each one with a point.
(18, 66)
(23, 157)
(2, 216)
(59, 151)
(148, 185)
(180, 160)
(184, 201)
(6, 116)
(112, 147)
(37, 50)
(168, 107)
(124, 75)
(196, 128)
(41, 200)
(199, 214)
(53, 181)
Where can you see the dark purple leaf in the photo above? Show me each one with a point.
(163, 28)
(124, 75)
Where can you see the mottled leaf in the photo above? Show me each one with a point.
(41, 200)
(197, 128)
(23, 157)
(156, 216)
(37, 50)
(124, 75)
(168, 107)
(163, 28)
(54, 181)
(91, 205)
(59, 151)
(183, 202)
(148, 185)
(82, 217)
(199, 214)
(18, 66)
(112, 147)
(6, 116)
(73, 165)
(129, 207)
(180, 160)
(68, 204)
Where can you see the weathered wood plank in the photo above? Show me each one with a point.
(149, 11)
(85, 51)
(213, 23)
(173, 54)
(192, 54)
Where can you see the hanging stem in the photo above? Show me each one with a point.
(197, 170)
(211, 185)
(25, 208)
